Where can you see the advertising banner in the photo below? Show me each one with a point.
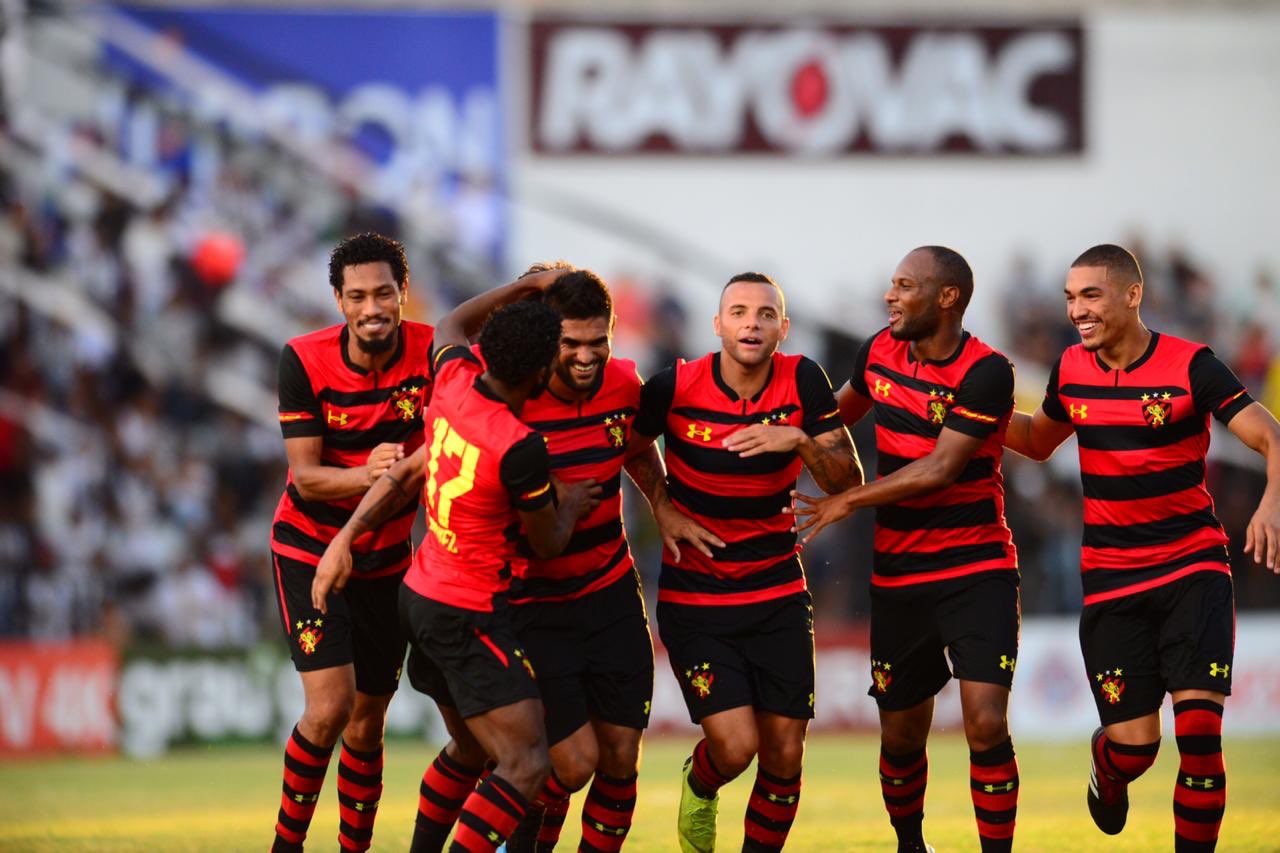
(820, 89)
(57, 697)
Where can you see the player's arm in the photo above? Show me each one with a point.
(548, 508)
(391, 493)
(853, 404)
(302, 425)
(1036, 436)
(463, 323)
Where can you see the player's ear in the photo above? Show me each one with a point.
(1134, 294)
(948, 296)
(785, 327)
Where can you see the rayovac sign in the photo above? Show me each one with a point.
(818, 90)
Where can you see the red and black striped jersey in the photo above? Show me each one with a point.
(1143, 435)
(483, 465)
(323, 393)
(739, 499)
(959, 530)
(587, 440)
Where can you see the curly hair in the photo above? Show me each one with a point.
(368, 248)
(544, 266)
(580, 295)
(520, 339)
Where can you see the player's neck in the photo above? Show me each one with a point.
(1128, 349)
(513, 395)
(564, 391)
(746, 380)
(370, 361)
(939, 346)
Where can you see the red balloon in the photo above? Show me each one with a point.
(217, 258)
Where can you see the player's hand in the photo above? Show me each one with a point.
(765, 438)
(332, 573)
(381, 458)
(1262, 537)
(675, 527)
(581, 497)
(814, 513)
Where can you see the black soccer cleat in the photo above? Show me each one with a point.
(1108, 798)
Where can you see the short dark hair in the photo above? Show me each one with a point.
(756, 278)
(953, 269)
(1118, 261)
(368, 248)
(520, 339)
(544, 266)
(580, 295)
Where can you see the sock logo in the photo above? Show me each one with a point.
(1001, 789)
(787, 800)
(1110, 684)
(1204, 784)
(1215, 670)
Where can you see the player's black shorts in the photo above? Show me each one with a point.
(465, 659)
(361, 627)
(754, 655)
(1180, 636)
(593, 656)
(914, 629)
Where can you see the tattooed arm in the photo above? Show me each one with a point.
(830, 456)
(389, 494)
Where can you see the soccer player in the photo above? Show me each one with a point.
(734, 610)
(351, 400)
(483, 474)
(944, 576)
(1159, 611)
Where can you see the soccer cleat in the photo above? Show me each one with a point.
(1108, 798)
(524, 838)
(696, 822)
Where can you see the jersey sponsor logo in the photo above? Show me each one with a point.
(1081, 411)
(406, 401)
(939, 403)
(310, 634)
(333, 416)
(1156, 409)
(1215, 670)
(698, 431)
(1110, 684)
(882, 387)
(881, 675)
(615, 430)
(700, 679)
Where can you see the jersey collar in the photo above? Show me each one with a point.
(344, 340)
(941, 362)
(1141, 360)
(729, 392)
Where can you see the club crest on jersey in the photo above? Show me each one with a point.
(700, 679)
(940, 402)
(881, 675)
(528, 665)
(1157, 410)
(310, 634)
(406, 401)
(615, 429)
(1110, 684)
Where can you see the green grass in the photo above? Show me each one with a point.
(225, 798)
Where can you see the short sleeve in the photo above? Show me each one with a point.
(858, 379)
(525, 471)
(1215, 389)
(655, 402)
(984, 398)
(300, 415)
(1052, 405)
(447, 353)
(821, 413)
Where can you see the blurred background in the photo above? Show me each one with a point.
(172, 178)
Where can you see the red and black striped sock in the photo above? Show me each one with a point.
(1121, 763)
(993, 784)
(552, 804)
(1200, 794)
(304, 768)
(606, 813)
(488, 816)
(704, 777)
(445, 787)
(770, 812)
(903, 779)
(359, 792)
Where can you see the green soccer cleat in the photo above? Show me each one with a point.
(696, 823)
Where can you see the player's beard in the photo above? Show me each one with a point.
(915, 328)
(377, 346)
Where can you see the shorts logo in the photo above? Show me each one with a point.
(1156, 409)
(1215, 670)
(405, 402)
(648, 707)
(883, 388)
(527, 664)
(615, 429)
(700, 679)
(697, 431)
(1008, 663)
(309, 634)
(1110, 684)
(880, 675)
(939, 403)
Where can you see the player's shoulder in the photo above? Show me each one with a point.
(621, 372)
(1172, 345)
(317, 341)
(417, 339)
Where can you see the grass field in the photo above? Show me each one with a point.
(224, 799)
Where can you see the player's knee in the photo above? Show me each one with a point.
(734, 754)
(782, 759)
(327, 716)
(985, 727)
(526, 769)
(903, 740)
(467, 752)
(620, 759)
(575, 769)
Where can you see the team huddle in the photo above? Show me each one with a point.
(522, 613)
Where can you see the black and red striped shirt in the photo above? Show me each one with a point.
(483, 466)
(1143, 435)
(740, 500)
(587, 440)
(323, 393)
(959, 530)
